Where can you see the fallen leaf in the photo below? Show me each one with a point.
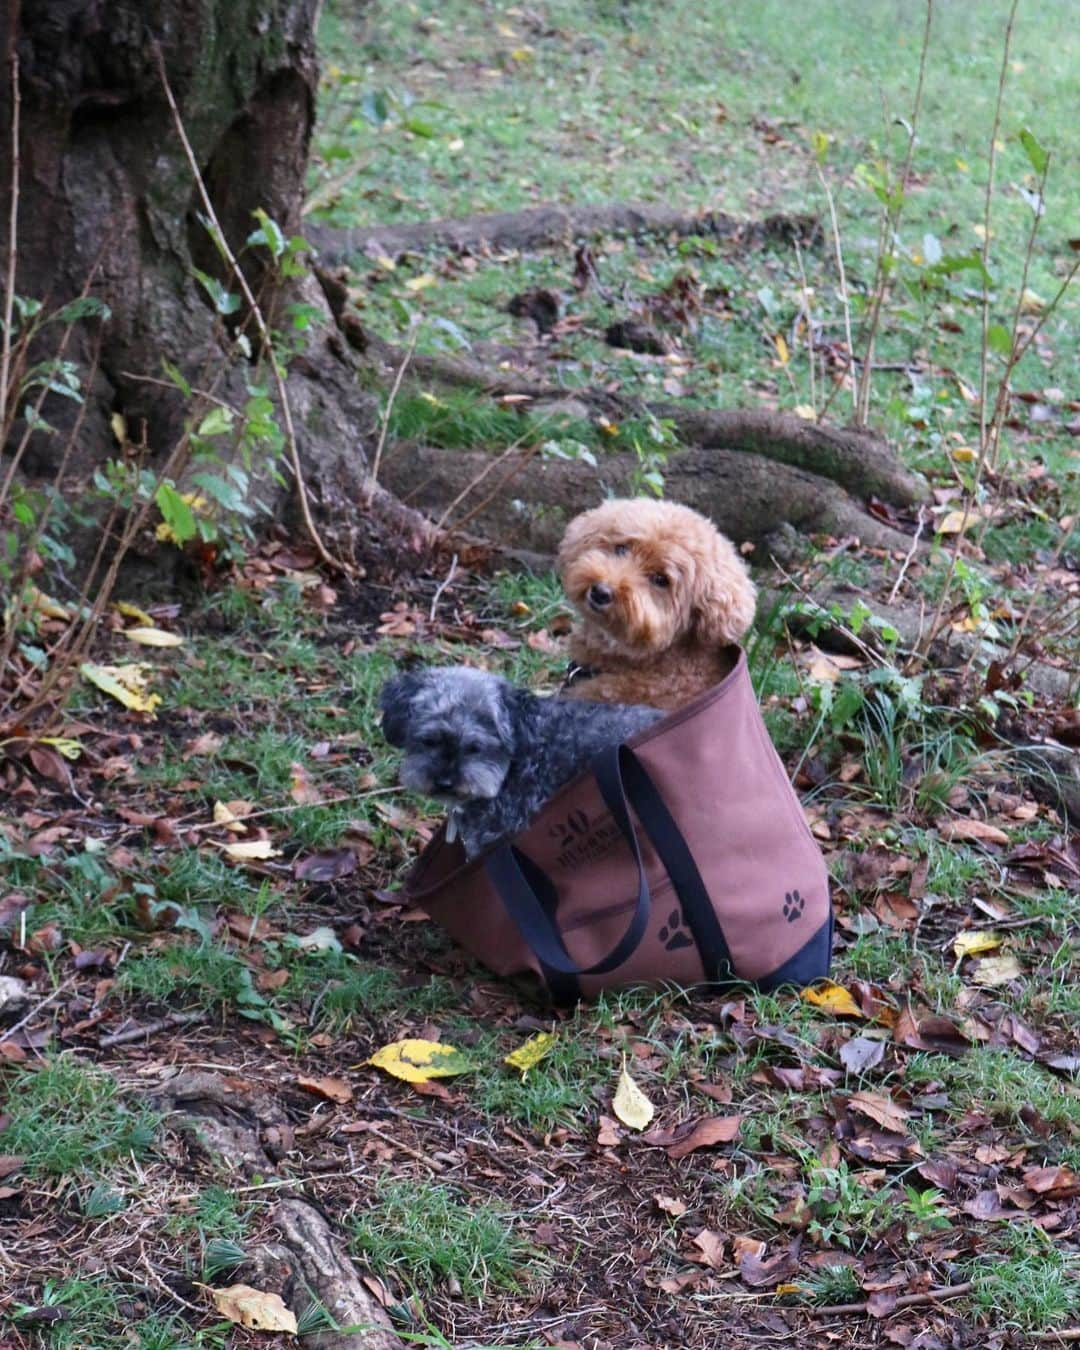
(608, 1135)
(303, 791)
(327, 866)
(10, 1162)
(322, 939)
(129, 611)
(253, 1308)
(153, 637)
(993, 971)
(528, 1055)
(708, 1131)
(630, 1104)
(861, 1053)
(667, 1204)
(759, 1274)
(833, 998)
(975, 942)
(966, 827)
(880, 1108)
(206, 744)
(711, 1246)
(127, 684)
(248, 850)
(417, 1061)
(333, 1089)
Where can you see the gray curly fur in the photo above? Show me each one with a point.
(493, 752)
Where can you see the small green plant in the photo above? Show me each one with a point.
(845, 1210)
(834, 1284)
(1031, 1285)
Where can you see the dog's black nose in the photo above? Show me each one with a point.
(599, 595)
(445, 782)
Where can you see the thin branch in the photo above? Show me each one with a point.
(904, 1301)
(845, 300)
(264, 332)
(910, 554)
(888, 243)
(13, 227)
(373, 476)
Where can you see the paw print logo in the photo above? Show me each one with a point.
(673, 934)
(794, 904)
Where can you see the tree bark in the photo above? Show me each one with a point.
(106, 197)
(526, 501)
(543, 226)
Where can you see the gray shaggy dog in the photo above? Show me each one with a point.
(493, 752)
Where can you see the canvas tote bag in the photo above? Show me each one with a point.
(681, 856)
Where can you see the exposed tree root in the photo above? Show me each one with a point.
(541, 226)
(528, 501)
(858, 460)
(246, 1129)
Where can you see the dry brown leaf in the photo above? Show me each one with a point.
(878, 1107)
(333, 1089)
(966, 827)
(708, 1131)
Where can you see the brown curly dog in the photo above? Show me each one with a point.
(660, 593)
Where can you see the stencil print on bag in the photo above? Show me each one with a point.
(674, 934)
(794, 905)
(581, 840)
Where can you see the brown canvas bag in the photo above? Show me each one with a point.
(682, 856)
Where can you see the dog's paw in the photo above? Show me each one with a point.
(673, 934)
(794, 905)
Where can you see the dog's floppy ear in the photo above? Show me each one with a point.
(515, 709)
(395, 703)
(724, 598)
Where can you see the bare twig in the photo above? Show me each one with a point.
(887, 247)
(260, 323)
(844, 299)
(442, 587)
(13, 227)
(176, 1019)
(907, 560)
(49, 998)
(373, 476)
(904, 1301)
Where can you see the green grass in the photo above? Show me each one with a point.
(1027, 1284)
(67, 1119)
(424, 1234)
(101, 1314)
(1003, 1085)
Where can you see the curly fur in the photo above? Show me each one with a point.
(494, 753)
(661, 595)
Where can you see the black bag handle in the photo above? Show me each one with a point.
(623, 780)
(506, 867)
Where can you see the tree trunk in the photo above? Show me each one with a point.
(107, 199)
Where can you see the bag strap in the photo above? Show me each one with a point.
(621, 775)
(506, 867)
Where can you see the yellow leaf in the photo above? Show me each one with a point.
(1031, 302)
(421, 282)
(630, 1104)
(956, 522)
(782, 349)
(118, 422)
(527, 1056)
(127, 684)
(417, 1061)
(976, 942)
(805, 411)
(833, 998)
(456, 145)
(788, 1289)
(41, 603)
(153, 637)
(130, 611)
(65, 745)
(229, 814)
(962, 165)
(992, 971)
(247, 850)
(521, 54)
(386, 263)
(965, 454)
(254, 1309)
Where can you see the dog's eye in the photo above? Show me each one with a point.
(621, 550)
(430, 742)
(472, 748)
(659, 579)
